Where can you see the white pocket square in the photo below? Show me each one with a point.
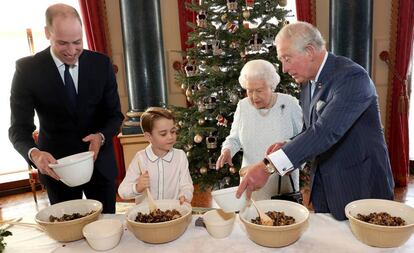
(319, 105)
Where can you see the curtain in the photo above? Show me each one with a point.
(306, 11)
(397, 121)
(185, 16)
(96, 29)
(95, 23)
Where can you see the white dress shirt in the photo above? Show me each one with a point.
(169, 176)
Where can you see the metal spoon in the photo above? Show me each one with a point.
(264, 218)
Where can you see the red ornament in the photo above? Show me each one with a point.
(249, 3)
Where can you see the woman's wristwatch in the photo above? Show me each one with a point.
(270, 168)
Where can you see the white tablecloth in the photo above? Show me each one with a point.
(324, 234)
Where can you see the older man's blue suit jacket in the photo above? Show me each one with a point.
(344, 136)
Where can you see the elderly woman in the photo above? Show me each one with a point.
(261, 119)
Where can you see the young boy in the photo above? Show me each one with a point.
(159, 167)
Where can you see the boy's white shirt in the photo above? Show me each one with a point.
(169, 176)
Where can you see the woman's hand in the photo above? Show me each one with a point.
(143, 182)
(224, 158)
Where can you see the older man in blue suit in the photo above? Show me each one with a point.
(342, 132)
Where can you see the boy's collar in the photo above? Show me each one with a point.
(153, 157)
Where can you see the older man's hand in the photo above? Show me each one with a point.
(255, 179)
(274, 147)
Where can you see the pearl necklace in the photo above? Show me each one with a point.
(265, 111)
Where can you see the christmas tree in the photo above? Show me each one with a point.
(226, 35)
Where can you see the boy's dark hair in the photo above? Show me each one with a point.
(151, 115)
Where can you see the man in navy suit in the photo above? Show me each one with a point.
(342, 132)
(85, 119)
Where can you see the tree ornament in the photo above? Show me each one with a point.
(243, 54)
(190, 69)
(211, 141)
(232, 27)
(246, 14)
(224, 18)
(282, 3)
(188, 147)
(201, 122)
(206, 47)
(256, 43)
(202, 19)
(210, 102)
(216, 47)
(198, 138)
(233, 98)
(188, 92)
(201, 106)
(221, 121)
(188, 154)
(211, 164)
(232, 170)
(183, 86)
(181, 123)
(203, 170)
(249, 3)
(232, 5)
(234, 44)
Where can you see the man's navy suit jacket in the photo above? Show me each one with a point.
(37, 85)
(344, 136)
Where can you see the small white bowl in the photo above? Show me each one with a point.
(74, 170)
(219, 224)
(226, 199)
(103, 234)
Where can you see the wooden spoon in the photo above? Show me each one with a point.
(264, 218)
(151, 203)
(24, 224)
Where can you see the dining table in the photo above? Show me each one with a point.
(324, 234)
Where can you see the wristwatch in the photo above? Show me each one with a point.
(269, 166)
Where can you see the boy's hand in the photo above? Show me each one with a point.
(143, 182)
(182, 199)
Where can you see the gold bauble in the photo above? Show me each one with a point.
(188, 92)
(201, 122)
(198, 138)
(203, 170)
(232, 170)
(224, 18)
(246, 14)
(282, 3)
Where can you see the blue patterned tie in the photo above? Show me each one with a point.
(70, 87)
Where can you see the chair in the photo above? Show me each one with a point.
(34, 173)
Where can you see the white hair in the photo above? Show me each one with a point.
(259, 70)
(301, 34)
